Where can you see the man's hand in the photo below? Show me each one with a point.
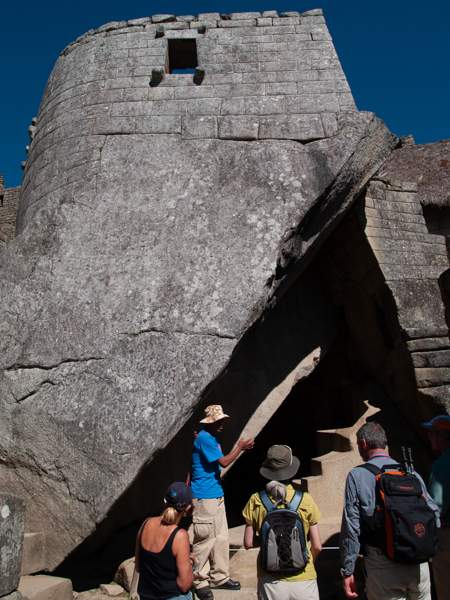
(350, 588)
(245, 444)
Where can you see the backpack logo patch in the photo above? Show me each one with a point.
(419, 529)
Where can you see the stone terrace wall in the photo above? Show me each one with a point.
(9, 201)
(265, 77)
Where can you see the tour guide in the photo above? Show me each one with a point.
(210, 522)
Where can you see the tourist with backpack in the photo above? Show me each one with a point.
(280, 520)
(390, 518)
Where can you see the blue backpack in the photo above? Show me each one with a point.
(283, 540)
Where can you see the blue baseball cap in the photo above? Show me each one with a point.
(178, 495)
(440, 422)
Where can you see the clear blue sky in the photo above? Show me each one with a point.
(395, 54)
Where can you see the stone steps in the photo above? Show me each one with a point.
(34, 553)
(44, 587)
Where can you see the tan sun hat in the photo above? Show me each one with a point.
(213, 413)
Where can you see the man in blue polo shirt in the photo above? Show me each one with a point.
(210, 522)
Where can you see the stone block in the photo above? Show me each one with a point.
(44, 587)
(270, 13)
(244, 15)
(34, 553)
(201, 26)
(111, 589)
(208, 17)
(281, 88)
(158, 124)
(185, 18)
(12, 526)
(114, 125)
(264, 22)
(323, 87)
(285, 21)
(265, 105)
(232, 106)
(312, 103)
(330, 123)
(432, 358)
(432, 377)
(238, 128)
(199, 127)
(243, 23)
(293, 127)
(174, 28)
(257, 77)
(163, 18)
(124, 574)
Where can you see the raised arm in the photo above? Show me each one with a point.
(242, 445)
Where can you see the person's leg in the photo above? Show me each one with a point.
(441, 564)
(203, 521)
(419, 584)
(220, 554)
(382, 577)
(269, 588)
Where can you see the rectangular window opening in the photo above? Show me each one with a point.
(181, 56)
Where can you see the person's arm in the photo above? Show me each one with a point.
(251, 539)
(242, 445)
(316, 544)
(349, 540)
(181, 552)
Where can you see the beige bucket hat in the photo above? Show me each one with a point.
(213, 413)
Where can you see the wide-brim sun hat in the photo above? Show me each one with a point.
(440, 422)
(213, 413)
(280, 464)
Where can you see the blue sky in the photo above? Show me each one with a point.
(395, 54)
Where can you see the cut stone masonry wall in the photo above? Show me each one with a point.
(9, 201)
(265, 77)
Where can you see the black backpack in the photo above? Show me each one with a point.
(403, 525)
(283, 541)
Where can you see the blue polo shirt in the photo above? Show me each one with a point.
(205, 475)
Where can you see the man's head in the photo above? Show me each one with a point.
(439, 432)
(214, 417)
(371, 437)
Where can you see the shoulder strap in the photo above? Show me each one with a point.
(371, 468)
(267, 502)
(296, 500)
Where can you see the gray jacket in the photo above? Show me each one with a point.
(359, 506)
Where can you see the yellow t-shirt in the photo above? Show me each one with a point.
(254, 513)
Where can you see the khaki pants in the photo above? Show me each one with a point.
(389, 580)
(210, 542)
(272, 588)
(441, 564)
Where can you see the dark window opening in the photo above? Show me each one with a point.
(181, 56)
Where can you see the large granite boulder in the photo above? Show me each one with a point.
(149, 245)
